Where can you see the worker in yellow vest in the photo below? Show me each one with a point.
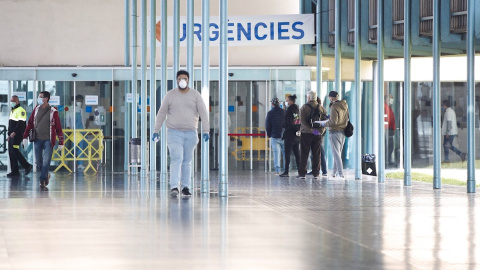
(16, 127)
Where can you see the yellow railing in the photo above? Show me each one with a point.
(92, 140)
(253, 142)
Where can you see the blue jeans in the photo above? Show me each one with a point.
(448, 144)
(181, 145)
(43, 156)
(278, 148)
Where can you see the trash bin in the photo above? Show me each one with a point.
(135, 149)
(368, 165)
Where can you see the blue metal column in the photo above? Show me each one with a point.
(176, 38)
(338, 50)
(127, 86)
(471, 97)
(190, 17)
(205, 186)
(134, 71)
(153, 82)
(134, 74)
(301, 51)
(357, 94)
(163, 92)
(437, 146)
(143, 109)
(407, 96)
(380, 93)
(318, 15)
(223, 98)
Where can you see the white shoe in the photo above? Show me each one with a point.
(341, 177)
(332, 177)
(81, 167)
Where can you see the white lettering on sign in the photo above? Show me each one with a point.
(91, 100)
(247, 30)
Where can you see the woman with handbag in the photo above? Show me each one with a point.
(291, 140)
(46, 126)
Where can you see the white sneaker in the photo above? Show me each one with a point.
(341, 177)
(81, 167)
(332, 177)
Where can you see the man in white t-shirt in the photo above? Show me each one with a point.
(450, 131)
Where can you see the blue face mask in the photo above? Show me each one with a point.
(40, 101)
(13, 104)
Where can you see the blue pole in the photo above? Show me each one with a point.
(205, 186)
(223, 97)
(176, 37)
(301, 61)
(338, 50)
(190, 17)
(407, 94)
(319, 46)
(127, 85)
(143, 113)
(134, 73)
(436, 97)
(380, 93)
(357, 94)
(153, 81)
(471, 97)
(163, 92)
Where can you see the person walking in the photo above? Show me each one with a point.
(390, 127)
(311, 137)
(291, 140)
(78, 119)
(16, 127)
(45, 122)
(274, 128)
(336, 124)
(450, 132)
(181, 107)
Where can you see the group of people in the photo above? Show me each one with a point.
(293, 130)
(290, 130)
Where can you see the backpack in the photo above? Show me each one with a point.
(314, 116)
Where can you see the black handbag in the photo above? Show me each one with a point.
(32, 135)
(349, 128)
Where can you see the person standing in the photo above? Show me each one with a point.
(274, 128)
(311, 138)
(389, 117)
(77, 118)
(46, 123)
(182, 108)
(449, 132)
(16, 127)
(290, 138)
(336, 124)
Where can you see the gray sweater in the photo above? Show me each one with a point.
(182, 111)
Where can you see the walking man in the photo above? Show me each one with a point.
(16, 127)
(449, 132)
(274, 127)
(46, 123)
(336, 126)
(182, 108)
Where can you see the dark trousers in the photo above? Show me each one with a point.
(15, 156)
(291, 145)
(310, 142)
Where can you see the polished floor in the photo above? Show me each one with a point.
(115, 221)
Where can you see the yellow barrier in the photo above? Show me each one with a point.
(92, 150)
(250, 144)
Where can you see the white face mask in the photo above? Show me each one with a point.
(79, 104)
(13, 104)
(182, 84)
(391, 101)
(40, 101)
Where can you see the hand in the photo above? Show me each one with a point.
(316, 132)
(60, 147)
(25, 143)
(155, 137)
(206, 136)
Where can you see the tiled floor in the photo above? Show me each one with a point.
(267, 222)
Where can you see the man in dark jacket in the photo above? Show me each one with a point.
(311, 139)
(290, 138)
(274, 127)
(16, 127)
